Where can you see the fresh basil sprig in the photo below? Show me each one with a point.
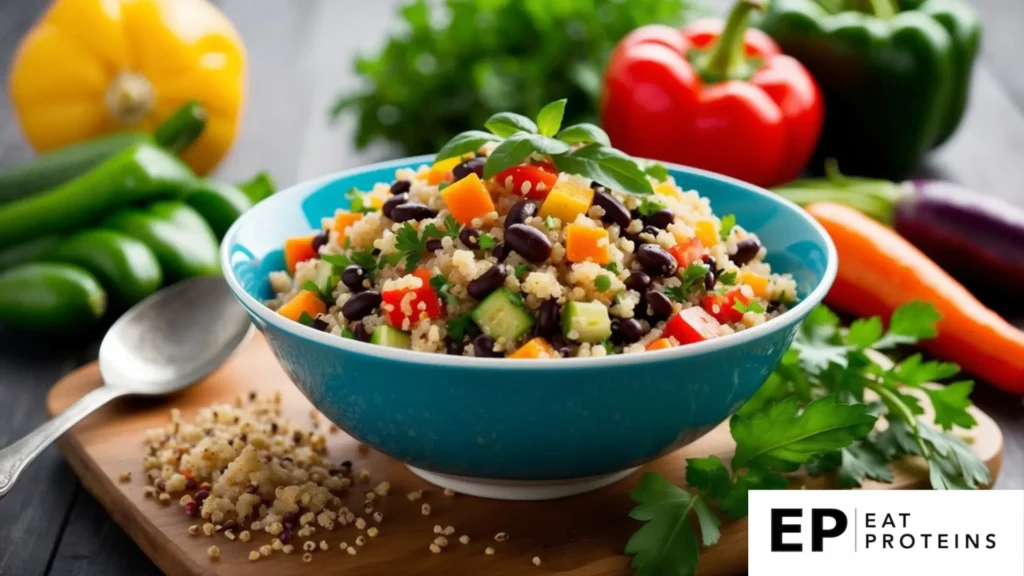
(522, 137)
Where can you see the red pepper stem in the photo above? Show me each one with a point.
(726, 54)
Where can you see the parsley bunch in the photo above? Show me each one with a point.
(815, 412)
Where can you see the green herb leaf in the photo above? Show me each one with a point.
(506, 124)
(311, 286)
(549, 222)
(357, 202)
(728, 223)
(667, 543)
(339, 260)
(950, 404)
(751, 306)
(708, 475)
(464, 143)
(612, 267)
(602, 283)
(728, 278)
(305, 319)
(864, 332)
(584, 133)
(656, 170)
(517, 148)
(365, 259)
(549, 119)
(909, 323)
(862, 460)
(914, 371)
(783, 438)
(487, 241)
(442, 287)
(649, 206)
(346, 333)
(606, 165)
(521, 269)
(953, 464)
(461, 326)
(432, 231)
(451, 226)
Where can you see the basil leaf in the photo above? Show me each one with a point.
(549, 119)
(656, 171)
(606, 165)
(464, 143)
(505, 124)
(586, 133)
(517, 148)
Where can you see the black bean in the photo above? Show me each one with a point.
(638, 281)
(529, 242)
(660, 219)
(548, 317)
(319, 324)
(412, 211)
(500, 252)
(434, 244)
(360, 305)
(483, 347)
(773, 306)
(659, 304)
(375, 252)
(651, 230)
(400, 186)
(470, 238)
(595, 185)
(655, 260)
(319, 240)
(561, 345)
(362, 334)
(201, 496)
(629, 331)
(520, 212)
(391, 203)
(614, 211)
(453, 347)
(353, 277)
(746, 250)
(487, 282)
(473, 165)
(709, 281)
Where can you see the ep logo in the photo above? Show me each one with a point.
(823, 523)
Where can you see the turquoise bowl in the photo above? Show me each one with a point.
(524, 428)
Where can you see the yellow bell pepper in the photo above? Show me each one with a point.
(90, 67)
(566, 201)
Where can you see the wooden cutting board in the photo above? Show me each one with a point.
(582, 535)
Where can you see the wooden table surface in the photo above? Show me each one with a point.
(300, 56)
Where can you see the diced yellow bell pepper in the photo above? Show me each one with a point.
(440, 170)
(567, 201)
(705, 230)
(757, 283)
(667, 189)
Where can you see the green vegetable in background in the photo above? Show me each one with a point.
(895, 74)
(142, 172)
(50, 297)
(127, 269)
(258, 188)
(435, 79)
(812, 412)
(219, 203)
(179, 237)
(59, 166)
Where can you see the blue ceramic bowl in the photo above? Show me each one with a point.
(524, 419)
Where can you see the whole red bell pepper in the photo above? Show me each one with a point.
(713, 95)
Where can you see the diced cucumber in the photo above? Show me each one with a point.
(502, 315)
(586, 321)
(323, 277)
(391, 337)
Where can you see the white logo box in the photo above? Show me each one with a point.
(887, 532)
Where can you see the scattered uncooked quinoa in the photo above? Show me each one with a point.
(528, 263)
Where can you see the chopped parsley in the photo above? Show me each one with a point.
(358, 203)
(649, 206)
(339, 260)
(752, 306)
(602, 283)
(550, 223)
(441, 285)
(451, 226)
(612, 267)
(346, 333)
(305, 319)
(486, 241)
(692, 277)
(521, 269)
(460, 327)
(728, 278)
(728, 222)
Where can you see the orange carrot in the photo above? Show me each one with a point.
(342, 221)
(584, 243)
(659, 344)
(468, 199)
(297, 250)
(536, 348)
(879, 271)
(304, 301)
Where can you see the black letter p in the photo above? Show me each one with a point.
(818, 532)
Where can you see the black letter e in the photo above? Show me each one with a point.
(779, 528)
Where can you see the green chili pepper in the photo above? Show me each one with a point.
(26, 251)
(54, 168)
(127, 268)
(142, 172)
(219, 203)
(50, 297)
(182, 241)
(258, 188)
(895, 74)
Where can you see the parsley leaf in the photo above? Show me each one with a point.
(442, 287)
(305, 319)
(950, 403)
(666, 543)
(602, 283)
(649, 206)
(752, 306)
(339, 260)
(461, 326)
(728, 222)
(692, 277)
(612, 267)
(411, 245)
(550, 222)
(521, 269)
(346, 333)
(909, 323)
(486, 241)
(365, 259)
(311, 286)
(451, 226)
(862, 460)
(865, 332)
(728, 278)
(358, 203)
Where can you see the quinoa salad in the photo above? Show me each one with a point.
(528, 262)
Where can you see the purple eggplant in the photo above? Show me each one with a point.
(978, 239)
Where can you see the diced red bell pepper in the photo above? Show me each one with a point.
(686, 254)
(540, 181)
(425, 295)
(721, 306)
(692, 325)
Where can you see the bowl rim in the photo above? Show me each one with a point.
(303, 189)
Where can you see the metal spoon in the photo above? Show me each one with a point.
(164, 344)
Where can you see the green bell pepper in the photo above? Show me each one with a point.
(127, 268)
(50, 297)
(182, 241)
(219, 203)
(142, 172)
(895, 75)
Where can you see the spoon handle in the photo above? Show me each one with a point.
(17, 456)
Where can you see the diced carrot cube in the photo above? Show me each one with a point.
(705, 230)
(659, 344)
(757, 283)
(342, 221)
(298, 249)
(536, 348)
(468, 199)
(305, 301)
(584, 243)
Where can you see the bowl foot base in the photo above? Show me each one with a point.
(519, 489)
